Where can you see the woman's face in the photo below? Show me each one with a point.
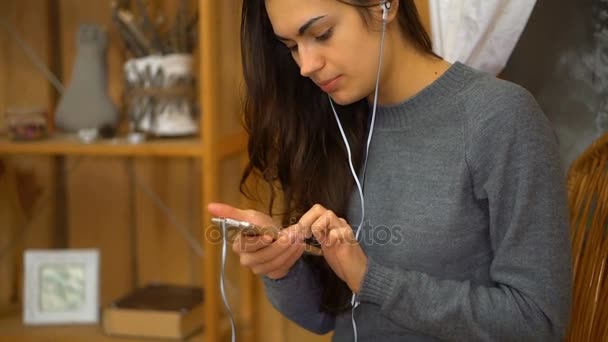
(331, 44)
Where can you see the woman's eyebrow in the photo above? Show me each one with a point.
(304, 27)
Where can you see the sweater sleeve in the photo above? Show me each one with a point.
(515, 171)
(298, 297)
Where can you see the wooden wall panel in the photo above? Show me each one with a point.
(23, 85)
(4, 52)
(12, 219)
(7, 260)
(36, 189)
(163, 254)
(99, 216)
(231, 78)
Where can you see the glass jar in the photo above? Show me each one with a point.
(27, 123)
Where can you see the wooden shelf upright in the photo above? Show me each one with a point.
(217, 38)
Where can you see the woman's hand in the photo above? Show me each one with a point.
(260, 253)
(340, 248)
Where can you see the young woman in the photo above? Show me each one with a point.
(464, 233)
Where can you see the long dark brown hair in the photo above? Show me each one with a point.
(295, 146)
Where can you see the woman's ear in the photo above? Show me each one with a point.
(385, 10)
(393, 10)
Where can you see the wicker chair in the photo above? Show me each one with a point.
(588, 202)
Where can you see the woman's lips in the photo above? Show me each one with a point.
(331, 85)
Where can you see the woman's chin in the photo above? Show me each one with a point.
(342, 98)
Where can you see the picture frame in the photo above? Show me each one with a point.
(61, 286)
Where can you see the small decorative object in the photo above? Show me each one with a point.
(136, 137)
(156, 311)
(27, 123)
(160, 95)
(86, 103)
(159, 79)
(87, 136)
(61, 286)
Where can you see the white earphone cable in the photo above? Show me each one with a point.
(222, 277)
(360, 184)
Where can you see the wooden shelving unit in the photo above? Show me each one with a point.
(71, 145)
(13, 329)
(210, 150)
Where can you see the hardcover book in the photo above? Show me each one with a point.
(156, 311)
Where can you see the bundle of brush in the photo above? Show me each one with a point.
(159, 80)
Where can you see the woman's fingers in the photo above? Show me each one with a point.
(319, 222)
(250, 244)
(342, 235)
(270, 252)
(242, 243)
(306, 221)
(275, 258)
(225, 210)
(247, 215)
(280, 265)
(329, 229)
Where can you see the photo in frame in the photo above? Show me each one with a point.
(61, 286)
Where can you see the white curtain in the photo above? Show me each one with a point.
(479, 33)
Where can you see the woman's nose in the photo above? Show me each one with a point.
(310, 61)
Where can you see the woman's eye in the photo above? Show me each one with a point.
(325, 36)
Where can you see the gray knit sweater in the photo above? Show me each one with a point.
(466, 223)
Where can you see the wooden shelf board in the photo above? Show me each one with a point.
(71, 145)
(13, 330)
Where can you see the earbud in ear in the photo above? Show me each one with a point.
(386, 6)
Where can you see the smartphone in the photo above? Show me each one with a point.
(233, 227)
(245, 228)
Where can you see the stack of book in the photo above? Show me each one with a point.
(156, 311)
